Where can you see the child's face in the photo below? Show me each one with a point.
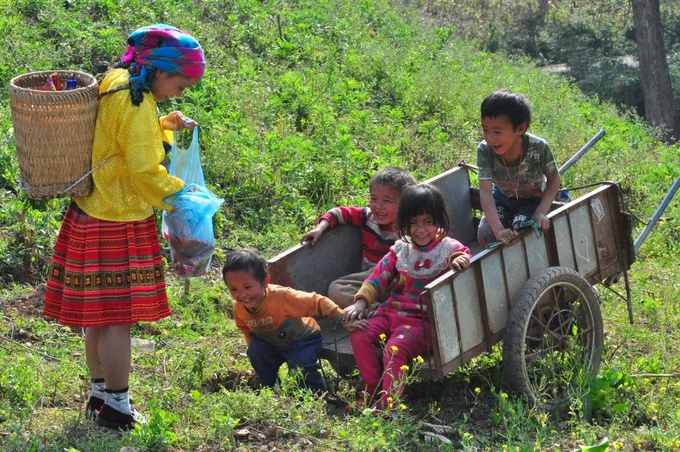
(384, 204)
(423, 230)
(245, 289)
(167, 85)
(502, 137)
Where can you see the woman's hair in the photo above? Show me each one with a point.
(418, 200)
(247, 260)
(163, 47)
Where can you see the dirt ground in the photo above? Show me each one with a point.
(29, 306)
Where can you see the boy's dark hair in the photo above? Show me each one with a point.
(418, 200)
(392, 177)
(247, 260)
(513, 105)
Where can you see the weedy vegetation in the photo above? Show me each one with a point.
(302, 102)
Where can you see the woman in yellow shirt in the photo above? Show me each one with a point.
(106, 272)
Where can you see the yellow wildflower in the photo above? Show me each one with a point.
(404, 367)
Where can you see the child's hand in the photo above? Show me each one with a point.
(506, 236)
(460, 263)
(541, 220)
(359, 324)
(177, 121)
(355, 311)
(315, 233)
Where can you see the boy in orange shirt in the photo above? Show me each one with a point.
(277, 321)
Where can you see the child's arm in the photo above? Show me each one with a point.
(243, 327)
(332, 218)
(540, 216)
(315, 233)
(502, 234)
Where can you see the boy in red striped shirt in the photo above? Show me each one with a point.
(377, 224)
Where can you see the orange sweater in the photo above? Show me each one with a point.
(285, 316)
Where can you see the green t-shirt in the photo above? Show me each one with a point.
(525, 178)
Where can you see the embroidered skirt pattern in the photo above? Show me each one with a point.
(105, 273)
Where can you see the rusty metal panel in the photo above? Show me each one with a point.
(313, 268)
(455, 186)
(583, 240)
(493, 280)
(468, 307)
(442, 317)
(604, 213)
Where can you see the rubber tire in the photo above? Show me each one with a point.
(548, 382)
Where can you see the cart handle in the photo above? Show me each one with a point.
(586, 147)
(657, 214)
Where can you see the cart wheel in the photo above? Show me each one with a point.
(553, 338)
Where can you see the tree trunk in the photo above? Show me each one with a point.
(543, 8)
(656, 81)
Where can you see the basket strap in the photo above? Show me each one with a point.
(114, 90)
(86, 174)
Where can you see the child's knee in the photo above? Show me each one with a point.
(341, 294)
(484, 234)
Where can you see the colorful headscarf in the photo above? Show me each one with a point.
(163, 47)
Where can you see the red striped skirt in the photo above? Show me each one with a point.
(105, 273)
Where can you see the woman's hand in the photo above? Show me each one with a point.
(177, 121)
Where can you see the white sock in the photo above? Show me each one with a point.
(119, 400)
(98, 388)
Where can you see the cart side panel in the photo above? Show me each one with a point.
(313, 268)
(495, 290)
(444, 317)
(608, 228)
(455, 186)
(586, 236)
(456, 319)
(469, 310)
(589, 235)
(565, 250)
(583, 240)
(537, 255)
(516, 270)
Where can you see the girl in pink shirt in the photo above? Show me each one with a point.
(400, 326)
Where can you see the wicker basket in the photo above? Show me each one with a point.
(53, 132)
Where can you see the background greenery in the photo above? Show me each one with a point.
(592, 43)
(302, 102)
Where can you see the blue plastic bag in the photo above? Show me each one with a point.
(190, 230)
(186, 163)
(188, 226)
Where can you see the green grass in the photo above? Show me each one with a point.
(295, 119)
